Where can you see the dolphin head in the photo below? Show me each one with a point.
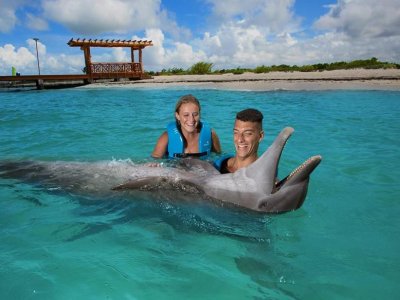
(290, 193)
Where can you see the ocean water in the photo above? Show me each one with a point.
(342, 244)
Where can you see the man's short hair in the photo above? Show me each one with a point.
(250, 115)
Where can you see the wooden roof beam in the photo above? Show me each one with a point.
(137, 44)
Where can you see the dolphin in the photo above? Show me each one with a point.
(254, 187)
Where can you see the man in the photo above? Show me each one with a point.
(247, 135)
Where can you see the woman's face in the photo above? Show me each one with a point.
(189, 117)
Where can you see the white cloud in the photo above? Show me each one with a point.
(270, 16)
(25, 61)
(36, 23)
(183, 55)
(41, 47)
(287, 39)
(22, 59)
(63, 64)
(93, 17)
(109, 16)
(259, 32)
(359, 29)
(232, 46)
(8, 14)
(8, 19)
(154, 56)
(249, 33)
(168, 55)
(120, 55)
(362, 18)
(212, 42)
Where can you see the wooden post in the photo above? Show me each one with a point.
(132, 55)
(132, 60)
(88, 62)
(140, 60)
(86, 52)
(39, 84)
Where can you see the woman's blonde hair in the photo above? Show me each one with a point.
(186, 99)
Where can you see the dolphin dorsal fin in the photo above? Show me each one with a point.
(264, 169)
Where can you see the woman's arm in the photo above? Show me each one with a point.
(161, 147)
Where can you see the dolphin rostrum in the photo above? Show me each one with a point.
(254, 187)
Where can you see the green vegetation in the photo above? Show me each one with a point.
(205, 68)
(372, 63)
(236, 71)
(173, 71)
(200, 68)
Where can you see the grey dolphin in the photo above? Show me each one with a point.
(253, 187)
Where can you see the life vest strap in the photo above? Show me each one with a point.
(184, 155)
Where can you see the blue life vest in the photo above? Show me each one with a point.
(220, 160)
(176, 146)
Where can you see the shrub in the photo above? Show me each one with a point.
(200, 68)
(238, 71)
(307, 68)
(262, 69)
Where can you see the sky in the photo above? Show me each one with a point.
(226, 33)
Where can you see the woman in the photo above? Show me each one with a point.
(187, 136)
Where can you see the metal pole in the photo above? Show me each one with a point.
(37, 54)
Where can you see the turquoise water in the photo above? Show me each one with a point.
(342, 244)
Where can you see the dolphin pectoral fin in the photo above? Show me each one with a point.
(137, 183)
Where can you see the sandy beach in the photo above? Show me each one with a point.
(379, 79)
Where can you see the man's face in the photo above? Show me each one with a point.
(246, 137)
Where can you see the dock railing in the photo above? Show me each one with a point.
(116, 70)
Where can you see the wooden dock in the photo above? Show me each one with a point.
(115, 72)
(43, 81)
(94, 71)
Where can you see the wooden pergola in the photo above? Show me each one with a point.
(108, 70)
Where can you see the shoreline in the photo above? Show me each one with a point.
(354, 79)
